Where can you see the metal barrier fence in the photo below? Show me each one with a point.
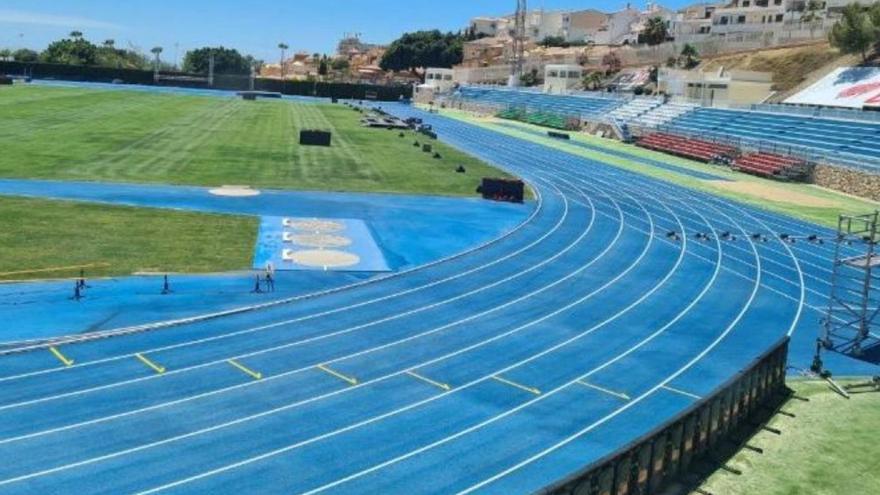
(646, 465)
(858, 115)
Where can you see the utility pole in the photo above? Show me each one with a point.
(519, 42)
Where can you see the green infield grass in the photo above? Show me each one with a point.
(128, 136)
(53, 239)
(830, 447)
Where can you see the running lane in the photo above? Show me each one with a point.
(501, 370)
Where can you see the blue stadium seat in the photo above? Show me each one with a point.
(857, 141)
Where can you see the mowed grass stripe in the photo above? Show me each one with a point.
(39, 234)
(141, 137)
(71, 111)
(161, 151)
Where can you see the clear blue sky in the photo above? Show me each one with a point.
(251, 26)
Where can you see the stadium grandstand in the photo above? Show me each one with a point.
(845, 138)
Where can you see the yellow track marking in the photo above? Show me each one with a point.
(61, 357)
(154, 366)
(253, 374)
(55, 269)
(444, 386)
(530, 390)
(350, 380)
(619, 395)
(682, 392)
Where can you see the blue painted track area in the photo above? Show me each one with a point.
(280, 238)
(500, 370)
(409, 231)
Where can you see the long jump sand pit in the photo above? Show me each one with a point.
(326, 258)
(314, 243)
(320, 241)
(314, 225)
(234, 191)
(771, 192)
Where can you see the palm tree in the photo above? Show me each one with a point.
(283, 47)
(655, 31)
(76, 34)
(593, 80)
(157, 50)
(812, 14)
(689, 54)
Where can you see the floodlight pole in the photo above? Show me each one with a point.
(519, 42)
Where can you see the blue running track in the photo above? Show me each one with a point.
(498, 371)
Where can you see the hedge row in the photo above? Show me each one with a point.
(221, 81)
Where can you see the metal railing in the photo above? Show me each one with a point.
(651, 462)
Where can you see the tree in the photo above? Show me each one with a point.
(555, 41)
(593, 80)
(340, 64)
(25, 55)
(612, 63)
(5, 54)
(689, 57)
(874, 14)
(812, 13)
(226, 61)
(76, 35)
(323, 66)
(416, 51)
(530, 78)
(854, 32)
(75, 51)
(655, 31)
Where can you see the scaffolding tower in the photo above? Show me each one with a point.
(519, 43)
(854, 301)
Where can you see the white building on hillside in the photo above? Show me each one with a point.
(491, 26)
(580, 26)
(717, 88)
(437, 82)
(561, 79)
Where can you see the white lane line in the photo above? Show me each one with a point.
(41, 343)
(681, 314)
(290, 344)
(362, 384)
(299, 370)
(633, 402)
(792, 327)
(620, 313)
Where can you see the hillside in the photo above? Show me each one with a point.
(793, 68)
